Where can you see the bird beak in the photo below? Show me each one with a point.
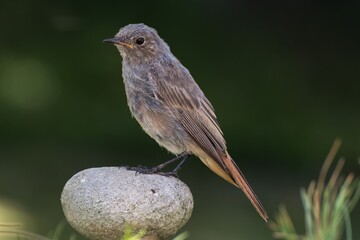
(110, 40)
(117, 41)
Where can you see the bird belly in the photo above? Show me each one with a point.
(160, 123)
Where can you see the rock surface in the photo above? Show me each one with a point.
(101, 202)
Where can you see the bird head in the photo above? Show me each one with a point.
(138, 42)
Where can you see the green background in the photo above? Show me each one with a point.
(282, 76)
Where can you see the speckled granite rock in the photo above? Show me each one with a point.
(100, 202)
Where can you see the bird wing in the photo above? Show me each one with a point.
(196, 113)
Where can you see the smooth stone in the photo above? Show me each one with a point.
(101, 202)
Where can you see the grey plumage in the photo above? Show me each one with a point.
(170, 106)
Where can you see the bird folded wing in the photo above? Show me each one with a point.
(197, 117)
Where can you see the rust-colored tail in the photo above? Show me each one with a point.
(226, 168)
(241, 183)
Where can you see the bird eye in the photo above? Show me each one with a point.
(140, 41)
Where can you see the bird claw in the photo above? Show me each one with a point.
(169, 174)
(145, 170)
(141, 169)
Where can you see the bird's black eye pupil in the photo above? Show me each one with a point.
(140, 41)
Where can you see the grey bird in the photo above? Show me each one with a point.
(170, 106)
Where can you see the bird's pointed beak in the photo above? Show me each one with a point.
(117, 41)
(111, 40)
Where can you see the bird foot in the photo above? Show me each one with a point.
(141, 169)
(154, 170)
(169, 174)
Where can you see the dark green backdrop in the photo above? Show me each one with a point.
(283, 78)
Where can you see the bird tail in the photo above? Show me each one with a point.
(240, 181)
(226, 168)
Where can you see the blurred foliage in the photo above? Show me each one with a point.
(327, 206)
(12, 231)
(283, 77)
(130, 234)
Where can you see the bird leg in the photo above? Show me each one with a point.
(182, 157)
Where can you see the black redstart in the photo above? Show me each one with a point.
(170, 106)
